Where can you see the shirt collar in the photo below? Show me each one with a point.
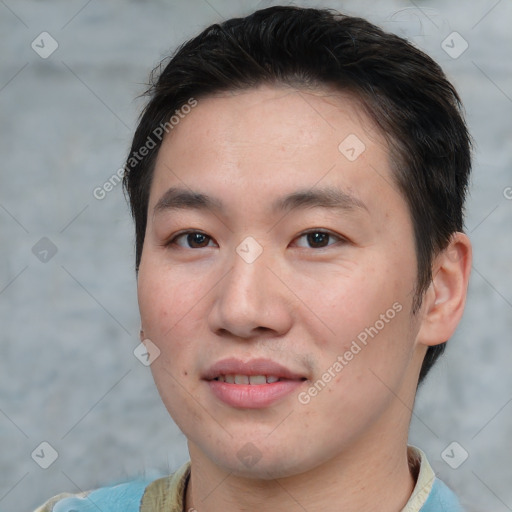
(419, 465)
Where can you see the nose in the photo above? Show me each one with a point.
(251, 301)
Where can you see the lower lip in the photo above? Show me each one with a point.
(250, 396)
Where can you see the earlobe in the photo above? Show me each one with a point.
(445, 299)
(141, 335)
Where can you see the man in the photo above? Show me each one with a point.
(297, 181)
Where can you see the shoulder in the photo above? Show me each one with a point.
(139, 495)
(441, 497)
(124, 497)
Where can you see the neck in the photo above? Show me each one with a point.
(361, 478)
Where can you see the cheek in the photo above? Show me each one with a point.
(165, 299)
(346, 303)
(172, 308)
(366, 320)
(166, 303)
(160, 311)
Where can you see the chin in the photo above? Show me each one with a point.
(271, 469)
(263, 462)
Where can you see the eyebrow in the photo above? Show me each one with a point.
(181, 199)
(328, 197)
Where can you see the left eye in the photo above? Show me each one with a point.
(318, 239)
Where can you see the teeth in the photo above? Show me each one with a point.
(241, 379)
(257, 379)
(248, 379)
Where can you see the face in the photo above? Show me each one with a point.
(276, 280)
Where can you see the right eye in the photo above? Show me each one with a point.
(191, 240)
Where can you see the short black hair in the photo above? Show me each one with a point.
(401, 89)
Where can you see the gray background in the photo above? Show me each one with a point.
(69, 325)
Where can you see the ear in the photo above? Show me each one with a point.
(443, 302)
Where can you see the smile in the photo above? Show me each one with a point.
(253, 380)
(253, 384)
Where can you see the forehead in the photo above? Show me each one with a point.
(277, 114)
(269, 140)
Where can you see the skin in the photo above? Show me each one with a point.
(298, 303)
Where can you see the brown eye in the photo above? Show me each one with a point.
(317, 239)
(191, 240)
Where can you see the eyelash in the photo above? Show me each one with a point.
(173, 240)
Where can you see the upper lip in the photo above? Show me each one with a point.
(233, 366)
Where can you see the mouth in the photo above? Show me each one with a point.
(254, 384)
(252, 380)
